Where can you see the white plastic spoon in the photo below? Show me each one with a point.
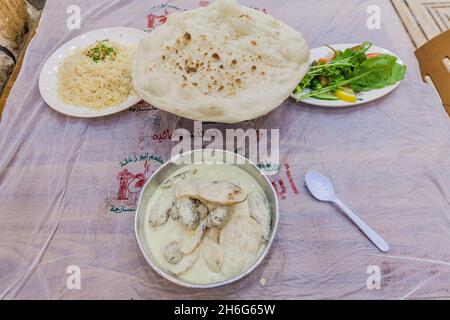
(322, 189)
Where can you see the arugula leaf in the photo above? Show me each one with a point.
(380, 72)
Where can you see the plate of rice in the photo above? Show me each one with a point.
(90, 76)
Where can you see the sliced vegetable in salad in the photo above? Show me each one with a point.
(349, 72)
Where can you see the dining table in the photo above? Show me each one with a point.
(69, 186)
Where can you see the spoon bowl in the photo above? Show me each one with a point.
(320, 186)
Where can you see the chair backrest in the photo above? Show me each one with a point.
(431, 62)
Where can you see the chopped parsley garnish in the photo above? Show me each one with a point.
(101, 51)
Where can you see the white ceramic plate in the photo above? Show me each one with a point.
(362, 97)
(48, 79)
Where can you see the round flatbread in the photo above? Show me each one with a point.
(224, 63)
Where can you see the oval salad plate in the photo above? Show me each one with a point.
(48, 79)
(362, 97)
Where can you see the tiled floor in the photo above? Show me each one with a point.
(424, 19)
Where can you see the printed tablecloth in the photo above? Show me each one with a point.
(68, 186)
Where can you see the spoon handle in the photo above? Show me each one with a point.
(368, 231)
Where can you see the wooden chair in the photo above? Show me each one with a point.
(431, 57)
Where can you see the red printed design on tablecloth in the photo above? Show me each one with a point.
(280, 186)
(161, 136)
(131, 177)
(290, 179)
(157, 129)
(158, 15)
(282, 191)
(130, 184)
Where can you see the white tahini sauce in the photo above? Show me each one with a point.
(158, 237)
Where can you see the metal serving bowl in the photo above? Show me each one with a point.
(177, 162)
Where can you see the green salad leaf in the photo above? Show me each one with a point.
(379, 72)
(353, 68)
